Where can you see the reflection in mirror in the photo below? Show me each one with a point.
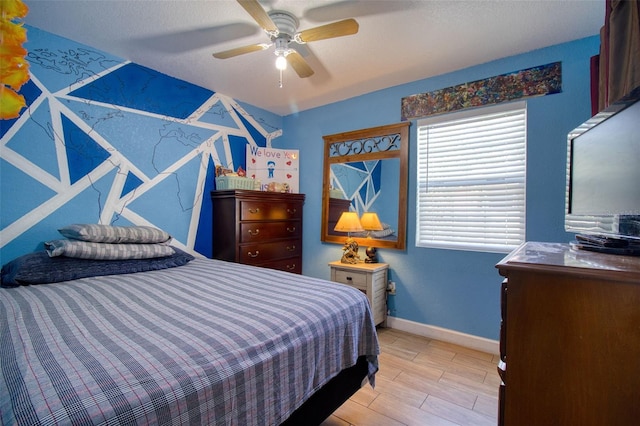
(366, 171)
(357, 186)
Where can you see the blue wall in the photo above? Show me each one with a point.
(456, 290)
(104, 140)
(83, 153)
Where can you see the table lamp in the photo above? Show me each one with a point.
(348, 223)
(371, 222)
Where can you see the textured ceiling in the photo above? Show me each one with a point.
(398, 41)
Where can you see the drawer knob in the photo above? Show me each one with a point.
(349, 279)
(292, 211)
(291, 248)
(254, 233)
(254, 211)
(291, 267)
(254, 255)
(291, 229)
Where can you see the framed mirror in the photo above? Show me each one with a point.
(366, 171)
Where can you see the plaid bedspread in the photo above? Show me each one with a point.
(208, 343)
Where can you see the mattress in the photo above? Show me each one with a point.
(210, 342)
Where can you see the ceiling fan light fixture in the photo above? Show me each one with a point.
(281, 51)
(281, 62)
(282, 28)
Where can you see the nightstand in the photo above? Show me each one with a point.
(370, 278)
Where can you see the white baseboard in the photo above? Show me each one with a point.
(446, 335)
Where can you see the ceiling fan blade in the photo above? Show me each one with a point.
(300, 66)
(258, 13)
(241, 50)
(323, 32)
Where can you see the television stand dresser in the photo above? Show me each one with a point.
(258, 228)
(570, 337)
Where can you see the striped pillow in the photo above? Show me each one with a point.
(114, 234)
(105, 251)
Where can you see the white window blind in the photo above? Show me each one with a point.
(471, 179)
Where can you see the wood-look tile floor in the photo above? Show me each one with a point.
(425, 382)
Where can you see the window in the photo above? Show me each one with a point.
(471, 179)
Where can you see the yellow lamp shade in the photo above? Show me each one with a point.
(371, 222)
(349, 222)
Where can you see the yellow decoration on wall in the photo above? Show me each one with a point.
(14, 69)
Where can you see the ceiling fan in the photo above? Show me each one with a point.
(282, 28)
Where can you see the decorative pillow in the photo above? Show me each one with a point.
(114, 234)
(384, 233)
(105, 251)
(39, 268)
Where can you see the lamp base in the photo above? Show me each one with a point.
(371, 255)
(350, 252)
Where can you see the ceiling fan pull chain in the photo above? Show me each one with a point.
(280, 85)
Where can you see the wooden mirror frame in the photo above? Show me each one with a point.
(377, 143)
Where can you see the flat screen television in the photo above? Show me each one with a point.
(603, 174)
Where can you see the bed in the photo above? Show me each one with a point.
(205, 342)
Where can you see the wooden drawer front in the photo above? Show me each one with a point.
(258, 210)
(256, 254)
(264, 231)
(354, 279)
(293, 264)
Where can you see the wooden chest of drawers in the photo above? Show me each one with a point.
(258, 228)
(336, 208)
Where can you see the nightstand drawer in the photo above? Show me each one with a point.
(352, 278)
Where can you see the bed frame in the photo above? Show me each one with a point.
(331, 396)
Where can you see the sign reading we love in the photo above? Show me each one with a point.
(276, 169)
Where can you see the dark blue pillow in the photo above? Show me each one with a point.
(39, 268)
